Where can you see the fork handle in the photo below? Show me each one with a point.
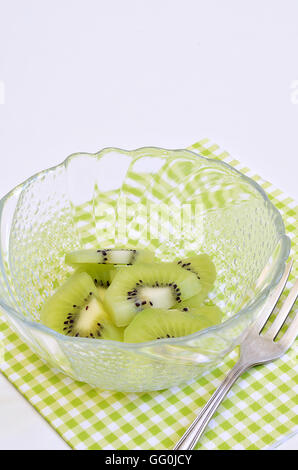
(196, 429)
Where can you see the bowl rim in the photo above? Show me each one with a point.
(254, 305)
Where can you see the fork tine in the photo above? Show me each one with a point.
(272, 299)
(284, 312)
(290, 335)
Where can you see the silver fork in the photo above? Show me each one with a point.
(255, 348)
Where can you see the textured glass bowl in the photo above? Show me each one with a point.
(195, 205)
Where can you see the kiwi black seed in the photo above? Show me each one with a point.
(156, 324)
(210, 311)
(102, 276)
(148, 285)
(203, 267)
(76, 310)
(109, 256)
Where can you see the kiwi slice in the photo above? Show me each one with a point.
(102, 276)
(154, 324)
(148, 285)
(195, 302)
(211, 312)
(203, 267)
(76, 310)
(109, 256)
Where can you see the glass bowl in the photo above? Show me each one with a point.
(173, 201)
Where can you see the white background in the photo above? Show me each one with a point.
(82, 75)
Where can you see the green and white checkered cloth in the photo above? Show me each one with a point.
(260, 410)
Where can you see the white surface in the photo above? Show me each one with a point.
(82, 75)
(21, 426)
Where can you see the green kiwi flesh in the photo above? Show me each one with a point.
(204, 268)
(101, 274)
(76, 310)
(211, 312)
(155, 324)
(148, 286)
(109, 256)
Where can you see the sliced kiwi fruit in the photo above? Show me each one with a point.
(146, 286)
(76, 310)
(109, 256)
(195, 302)
(203, 267)
(211, 312)
(102, 276)
(155, 324)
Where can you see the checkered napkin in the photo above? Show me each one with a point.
(259, 411)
